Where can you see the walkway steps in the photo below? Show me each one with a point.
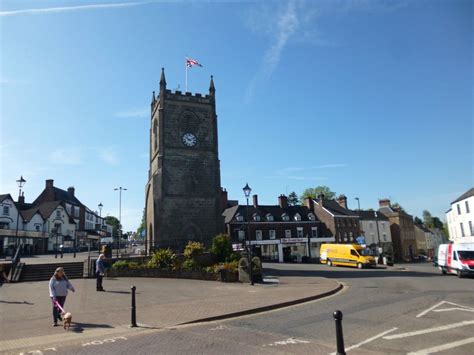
(43, 272)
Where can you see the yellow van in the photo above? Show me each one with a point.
(346, 255)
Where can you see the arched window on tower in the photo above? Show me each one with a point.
(155, 134)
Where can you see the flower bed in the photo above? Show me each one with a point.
(176, 274)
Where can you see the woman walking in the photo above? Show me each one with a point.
(58, 288)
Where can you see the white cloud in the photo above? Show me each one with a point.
(109, 155)
(46, 10)
(135, 113)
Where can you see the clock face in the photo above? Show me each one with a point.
(189, 140)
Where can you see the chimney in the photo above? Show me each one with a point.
(385, 202)
(283, 201)
(255, 201)
(308, 202)
(224, 199)
(21, 199)
(321, 199)
(49, 183)
(342, 201)
(71, 190)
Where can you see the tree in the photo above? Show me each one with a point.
(427, 219)
(114, 222)
(418, 221)
(142, 226)
(293, 199)
(316, 191)
(398, 207)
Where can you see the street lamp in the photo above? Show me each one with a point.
(100, 205)
(358, 202)
(247, 191)
(21, 182)
(120, 216)
(378, 235)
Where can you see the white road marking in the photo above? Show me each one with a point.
(368, 340)
(436, 349)
(221, 327)
(430, 309)
(454, 309)
(429, 330)
(288, 342)
(464, 308)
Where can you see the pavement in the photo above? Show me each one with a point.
(162, 304)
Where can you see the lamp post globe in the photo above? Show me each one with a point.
(247, 190)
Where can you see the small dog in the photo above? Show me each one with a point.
(67, 318)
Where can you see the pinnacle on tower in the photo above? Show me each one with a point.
(212, 88)
(162, 79)
(153, 98)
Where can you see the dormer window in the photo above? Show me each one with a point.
(256, 217)
(58, 214)
(239, 218)
(311, 217)
(297, 217)
(285, 217)
(270, 218)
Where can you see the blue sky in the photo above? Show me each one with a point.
(372, 98)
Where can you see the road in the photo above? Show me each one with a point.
(412, 311)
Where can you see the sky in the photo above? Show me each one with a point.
(371, 98)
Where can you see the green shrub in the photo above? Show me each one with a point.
(163, 259)
(222, 247)
(134, 265)
(191, 264)
(122, 264)
(193, 249)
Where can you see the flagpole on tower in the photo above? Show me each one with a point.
(186, 69)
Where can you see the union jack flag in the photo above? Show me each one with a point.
(192, 62)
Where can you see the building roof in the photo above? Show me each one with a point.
(45, 210)
(276, 211)
(5, 196)
(59, 195)
(468, 193)
(336, 209)
(370, 215)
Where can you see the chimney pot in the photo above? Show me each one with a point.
(283, 201)
(342, 201)
(71, 190)
(49, 183)
(308, 202)
(255, 201)
(385, 202)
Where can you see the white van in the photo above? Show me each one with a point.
(456, 259)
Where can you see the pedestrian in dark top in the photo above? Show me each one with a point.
(99, 271)
(3, 275)
(58, 289)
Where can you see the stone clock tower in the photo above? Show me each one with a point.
(184, 187)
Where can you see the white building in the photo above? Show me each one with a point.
(460, 217)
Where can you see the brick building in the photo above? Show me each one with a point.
(277, 232)
(342, 223)
(402, 229)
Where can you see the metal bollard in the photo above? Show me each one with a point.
(134, 309)
(339, 336)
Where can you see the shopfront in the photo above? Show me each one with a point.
(315, 244)
(266, 250)
(293, 250)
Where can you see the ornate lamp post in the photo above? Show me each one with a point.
(21, 182)
(247, 190)
(358, 202)
(100, 205)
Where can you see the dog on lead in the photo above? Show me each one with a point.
(65, 316)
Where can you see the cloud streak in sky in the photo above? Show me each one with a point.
(46, 10)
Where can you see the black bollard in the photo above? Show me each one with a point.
(339, 336)
(134, 309)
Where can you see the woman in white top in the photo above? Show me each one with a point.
(58, 289)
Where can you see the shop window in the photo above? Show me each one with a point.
(288, 233)
(6, 210)
(241, 235)
(4, 225)
(258, 235)
(299, 232)
(272, 234)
